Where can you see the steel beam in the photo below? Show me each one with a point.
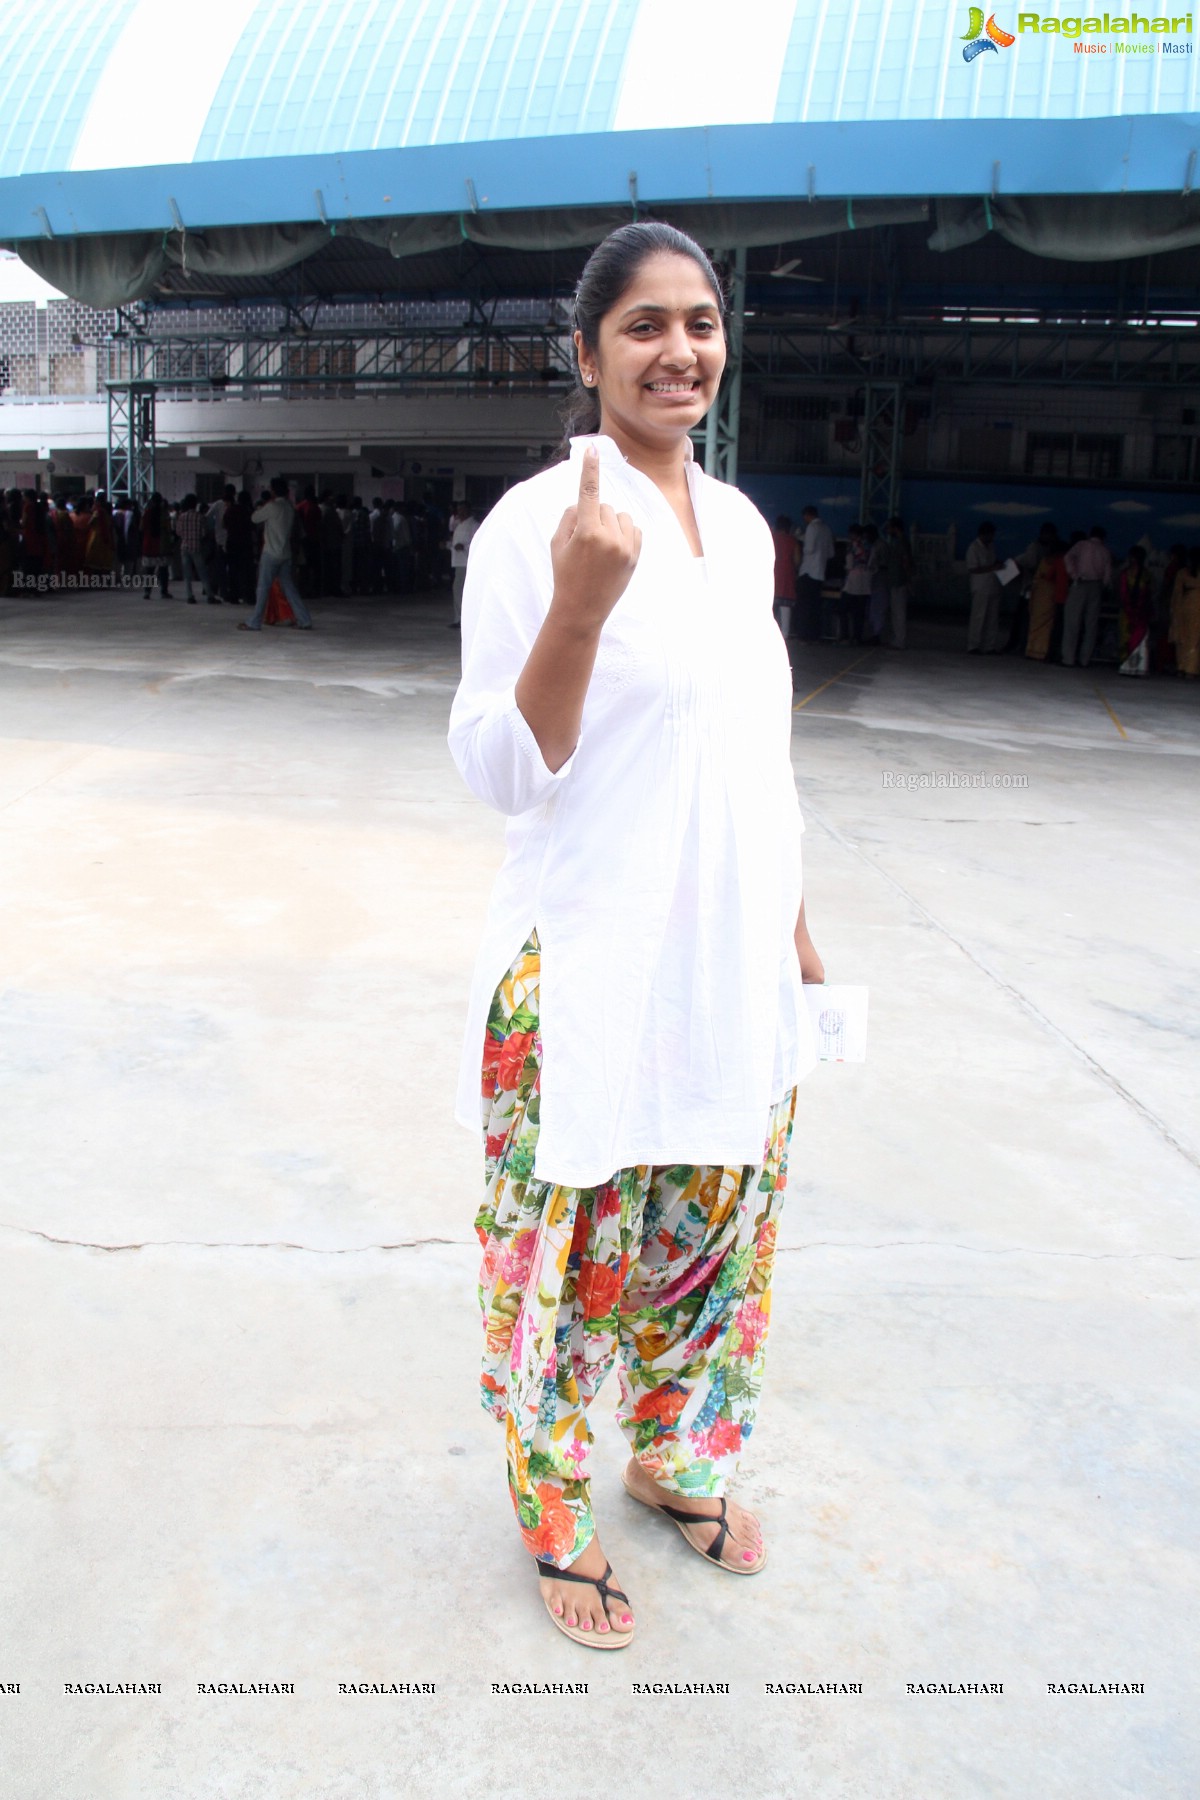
(130, 459)
(722, 427)
(879, 490)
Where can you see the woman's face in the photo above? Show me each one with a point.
(661, 351)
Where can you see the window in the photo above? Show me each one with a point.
(318, 361)
(512, 356)
(1176, 459)
(1073, 455)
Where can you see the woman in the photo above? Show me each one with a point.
(1185, 616)
(626, 700)
(856, 587)
(1047, 592)
(66, 541)
(156, 542)
(878, 558)
(1164, 623)
(100, 549)
(787, 561)
(1135, 592)
(33, 533)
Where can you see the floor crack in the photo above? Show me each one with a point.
(244, 1244)
(468, 1243)
(992, 1250)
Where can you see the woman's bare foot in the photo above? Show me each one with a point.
(579, 1604)
(744, 1542)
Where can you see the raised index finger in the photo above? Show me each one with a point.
(589, 486)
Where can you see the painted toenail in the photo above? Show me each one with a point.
(627, 1618)
(586, 1625)
(747, 1556)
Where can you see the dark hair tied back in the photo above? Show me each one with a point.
(607, 274)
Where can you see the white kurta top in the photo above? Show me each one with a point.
(661, 865)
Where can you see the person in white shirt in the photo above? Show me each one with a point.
(1089, 564)
(626, 702)
(277, 517)
(463, 526)
(817, 552)
(379, 544)
(216, 523)
(983, 627)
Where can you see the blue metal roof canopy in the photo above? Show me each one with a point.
(301, 110)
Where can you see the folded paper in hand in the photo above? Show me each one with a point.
(839, 1021)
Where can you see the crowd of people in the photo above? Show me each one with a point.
(853, 593)
(1064, 589)
(858, 592)
(338, 544)
(868, 601)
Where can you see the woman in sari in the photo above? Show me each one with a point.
(1185, 616)
(65, 547)
(1135, 612)
(100, 549)
(1047, 592)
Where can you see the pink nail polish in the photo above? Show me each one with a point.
(747, 1556)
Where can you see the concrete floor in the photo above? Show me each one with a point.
(242, 887)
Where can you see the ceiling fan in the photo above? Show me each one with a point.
(784, 270)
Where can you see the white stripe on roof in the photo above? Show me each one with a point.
(158, 83)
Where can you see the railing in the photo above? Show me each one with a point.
(433, 361)
(783, 354)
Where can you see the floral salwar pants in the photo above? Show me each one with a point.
(666, 1269)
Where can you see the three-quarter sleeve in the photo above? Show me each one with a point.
(506, 596)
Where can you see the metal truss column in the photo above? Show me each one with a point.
(883, 412)
(723, 424)
(131, 439)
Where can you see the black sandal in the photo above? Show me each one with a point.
(593, 1639)
(687, 1523)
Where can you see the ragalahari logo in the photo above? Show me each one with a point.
(983, 37)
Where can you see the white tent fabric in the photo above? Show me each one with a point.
(1074, 227)
(114, 270)
(109, 271)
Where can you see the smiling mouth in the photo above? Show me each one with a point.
(672, 387)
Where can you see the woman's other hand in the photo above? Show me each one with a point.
(594, 553)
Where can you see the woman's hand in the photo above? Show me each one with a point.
(812, 969)
(594, 553)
